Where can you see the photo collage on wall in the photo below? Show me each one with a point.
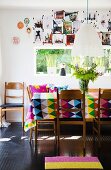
(60, 27)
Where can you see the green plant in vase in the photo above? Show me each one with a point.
(85, 75)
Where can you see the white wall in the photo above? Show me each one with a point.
(18, 60)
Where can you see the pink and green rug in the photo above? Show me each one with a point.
(68, 163)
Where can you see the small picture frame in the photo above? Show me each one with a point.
(70, 39)
(67, 27)
(47, 37)
(58, 38)
(59, 14)
(106, 38)
(71, 16)
(57, 26)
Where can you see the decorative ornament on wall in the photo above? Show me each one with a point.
(26, 21)
(15, 40)
(29, 30)
(20, 25)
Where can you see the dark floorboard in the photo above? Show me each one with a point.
(16, 153)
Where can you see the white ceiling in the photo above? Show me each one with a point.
(62, 4)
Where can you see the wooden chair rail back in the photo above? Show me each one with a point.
(9, 86)
(29, 93)
(105, 93)
(14, 85)
(93, 90)
(70, 94)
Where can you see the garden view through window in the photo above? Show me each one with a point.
(55, 58)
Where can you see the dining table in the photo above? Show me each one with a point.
(44, 106)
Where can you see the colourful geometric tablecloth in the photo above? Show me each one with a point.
(91, 105)
(44, 106)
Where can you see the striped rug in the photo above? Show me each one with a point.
(70, 163)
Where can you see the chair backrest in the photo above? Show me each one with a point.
(71, 104)
(104, 103)
(93, 90)
(14, 91)
(29, 93)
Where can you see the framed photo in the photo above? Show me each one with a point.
(71, 16)
(47, 37)
(70, 39)
(57, 26)
(58, 38)
(38, 35)
(67, 27)
(106, 38)
(59, 14)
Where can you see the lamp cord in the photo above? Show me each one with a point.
(87, 11)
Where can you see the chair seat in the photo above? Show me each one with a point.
(12, 105)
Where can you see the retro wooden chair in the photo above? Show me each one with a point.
(104, 112)
(71, 110)
(41, 125)
(93, 90)
(13, 99)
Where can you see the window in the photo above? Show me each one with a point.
(56, 57)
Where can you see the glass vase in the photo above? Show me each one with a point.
(83, 85)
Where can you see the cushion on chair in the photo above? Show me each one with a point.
(53, 88)
(12, 105)
(38, 88)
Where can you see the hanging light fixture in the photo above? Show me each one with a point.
(87, 41)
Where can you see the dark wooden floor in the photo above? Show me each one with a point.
(16, 153)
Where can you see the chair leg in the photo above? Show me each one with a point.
(31, 131)
(0, 116)
(99, 135)
(58, 134)
(23, 118)
(5, 115)
(35, 135)
(84, 136)
(93, 131)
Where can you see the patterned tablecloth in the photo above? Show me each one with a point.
(44, 105)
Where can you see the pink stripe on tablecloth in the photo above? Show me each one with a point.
(71, 159)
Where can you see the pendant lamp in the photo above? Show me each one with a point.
(87, 41)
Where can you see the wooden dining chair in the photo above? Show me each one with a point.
(93, 90)
(71, 111)
(13, 99)
(104, 112)
(47, 124)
